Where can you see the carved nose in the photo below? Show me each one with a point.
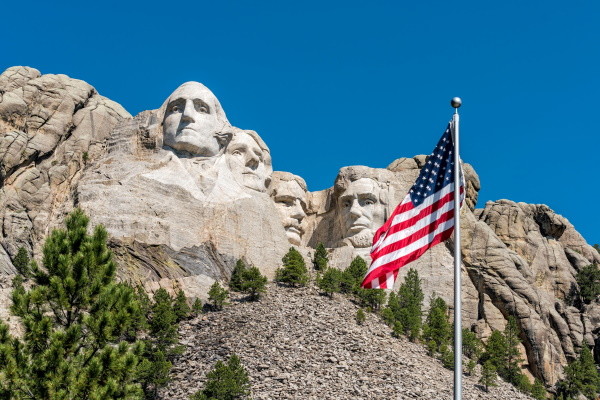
(188, 112)
(252, 161)
(297, 211)
(356, 209)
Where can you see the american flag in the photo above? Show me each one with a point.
(423, 219)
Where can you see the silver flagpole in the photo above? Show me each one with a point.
(456, 102)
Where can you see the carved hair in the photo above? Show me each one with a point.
(280, 176)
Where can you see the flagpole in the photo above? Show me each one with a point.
(456, 102)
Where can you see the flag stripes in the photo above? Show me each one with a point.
(416, 226)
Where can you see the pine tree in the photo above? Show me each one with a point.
(511, 370)
(253, 283)
(180, 306)
(293, 272)
(588, 279)
(372, 298)
(21, 262)
(226, 381)
(471, 345)
(197, 307)
(76, 321)
(330, 281)
(538, 391)
(217, 296)
(495, 349)
(237, 276)
(488, 375)
(321, 258)
(353, 276)
(360, 316)
(437, 328)
(581, 377)
(410, 301)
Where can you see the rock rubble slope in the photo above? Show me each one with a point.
(296, 344)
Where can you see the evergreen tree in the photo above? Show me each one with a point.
(495, 349)
(437, 328)
(197, 307)
(253, 283)
(372, 298)
(588, 280)
(226, 381)
(353, 276)
(538, 391)
(360, 316)
(180, 306)
(471, 345)
(581, 377)
(21, 262)
(488, 375)
(293, 271)
(410, 300)
(330, 281)
(217, 296)
(511, 369)
(76, 321)
(321, 258)
(237, 276)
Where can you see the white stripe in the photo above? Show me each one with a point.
(426, 203)
(375, 283)
(390, 280)
(420, 224)
(417, 244)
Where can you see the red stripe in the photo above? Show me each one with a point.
(393, 266)
(426, 230)
(400, 208)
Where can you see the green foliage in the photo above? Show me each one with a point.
(321, 258)
(353, 276)
(502, 350)
(21, 262)
(372, 298)
(437, 328)
(410, 302)
(85, 157)
(360, 316)
(597, 247)
(471, 345)
(538, 391)
(388, 315)
(180, 306)
(217, 296)
(588, 280)
(78, 322)
(227, 381)
(581, 377)
(293, 272)
(197, 307)
(237, 276)
(447, 357)
(330, 281)
(247, 280)
(488, 375)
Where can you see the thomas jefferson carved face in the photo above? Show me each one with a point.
(361, 212)
(290, 199)
(249, 160)
(193, 119)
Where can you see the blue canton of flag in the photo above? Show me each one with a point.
(437, 172)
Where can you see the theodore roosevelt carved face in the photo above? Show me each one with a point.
(289, 194)
(361, 209)
(193, 121)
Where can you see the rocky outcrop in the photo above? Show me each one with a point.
(296, 344)
(51, 126)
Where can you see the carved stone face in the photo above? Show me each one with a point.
(360, 212)
(249, 163)
(193, 118)
(290, 200)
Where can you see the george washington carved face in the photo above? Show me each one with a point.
(193, 120)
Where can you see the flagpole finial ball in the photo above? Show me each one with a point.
(456, 102)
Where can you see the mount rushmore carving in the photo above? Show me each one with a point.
(183, 195)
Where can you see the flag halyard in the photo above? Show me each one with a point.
(424, 218)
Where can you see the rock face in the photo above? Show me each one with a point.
(183, 195)
(50, 126)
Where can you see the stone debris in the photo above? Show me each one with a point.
(297, 344)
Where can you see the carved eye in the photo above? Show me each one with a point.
(203, 109)
(347, 203)
(369, 202)
(174, 108)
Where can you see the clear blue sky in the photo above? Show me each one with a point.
(329, 84)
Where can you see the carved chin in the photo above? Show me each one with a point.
(293, 236)
(362, 239)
